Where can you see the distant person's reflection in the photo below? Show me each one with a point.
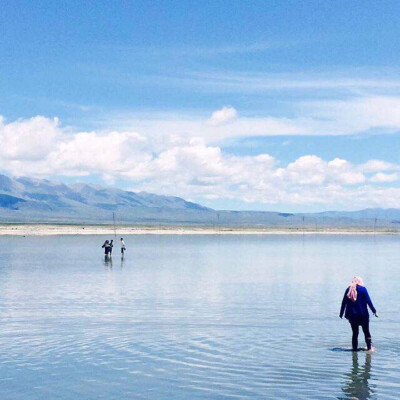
(108, 261)
(356, 385)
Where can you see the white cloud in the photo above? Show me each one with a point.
(29, 139)
(192, 168)
(217, 132)
(356, 115)
(345, 81)
(378, 165)
(223, 116)
(200, 171)
(384, 178)
(211, 51)
(114, 152)
(317, 118)
(39, 146)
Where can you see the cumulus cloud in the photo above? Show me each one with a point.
(39, 146)
(200, 170)
(378, 165)
(90, 152)
(384, 178)
(222, 116)
(193, 168)
(29, 139)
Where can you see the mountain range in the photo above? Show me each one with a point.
(28, 200)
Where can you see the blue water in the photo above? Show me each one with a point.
(195, 317)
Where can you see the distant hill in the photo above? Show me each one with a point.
(379, 213)
(24, 200)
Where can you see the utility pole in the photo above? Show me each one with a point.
(115, 228)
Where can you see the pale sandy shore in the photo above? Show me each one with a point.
(47, 229)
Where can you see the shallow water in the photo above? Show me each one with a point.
(195, 317)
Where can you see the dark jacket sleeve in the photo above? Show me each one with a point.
(369, 302)
(344, 301)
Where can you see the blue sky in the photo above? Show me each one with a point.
(184, 96)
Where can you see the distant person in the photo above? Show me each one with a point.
(111, 246)
(354, 307)
(123, 247)
(106, 247)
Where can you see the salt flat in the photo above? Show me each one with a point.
(55, 229)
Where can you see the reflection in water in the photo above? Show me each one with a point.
(356, 385)
(108, 261)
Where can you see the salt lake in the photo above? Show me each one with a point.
(195, 317)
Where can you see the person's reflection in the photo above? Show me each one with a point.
(356, 385)
(108, 261)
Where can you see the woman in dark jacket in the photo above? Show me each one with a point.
(107, 248)
(354, 307)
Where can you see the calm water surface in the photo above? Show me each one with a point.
(195, 317)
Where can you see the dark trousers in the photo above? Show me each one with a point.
(367, 334)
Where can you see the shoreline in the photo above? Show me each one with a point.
(55, 229)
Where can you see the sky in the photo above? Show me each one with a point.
(248, 105)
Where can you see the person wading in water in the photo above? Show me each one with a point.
(354, 307)
(107, 248)
(123, 247)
